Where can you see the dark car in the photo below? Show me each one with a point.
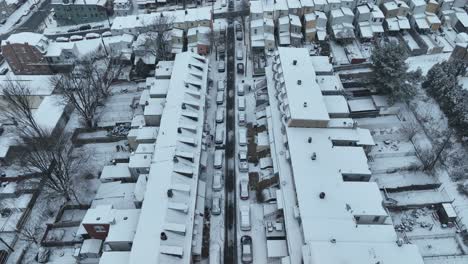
(239, 35)
(238, 28)
(85, 27)
(246, 246)
(240, 68)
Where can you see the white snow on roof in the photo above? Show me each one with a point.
(303, 93)
(114, 257)
(169, 168)
(358, 105)
(118, 171)
(50, 112)
(38, 84)
(321, 64)
(336, 104)
(123, 226)
(32, 39)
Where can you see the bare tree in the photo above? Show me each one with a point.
(409, 129)
(52, 158)
(429, 158)
(30, 233)
(18, 105)
(159, 35)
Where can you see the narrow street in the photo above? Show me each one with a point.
(230, 247)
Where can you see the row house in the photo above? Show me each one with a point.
(368, 21)
(457, 18)
(395, 8)
(262, 34)
(199, 40)
(123, 7)
(25, 53)
(295, 7)
(280, 9)
(256, 10)
(290, 30)
(425, 22)
(308, 6)
(341, 23)
(432, 6)
(315, 26)
(417, 6)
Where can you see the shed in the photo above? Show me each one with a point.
(117, 172)
(447, 213)
(91, 248)
(277, 248)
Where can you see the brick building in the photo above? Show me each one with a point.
(24, 53)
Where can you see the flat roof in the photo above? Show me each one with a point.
(119, 171)
(179, 133)
(305, 99)
(336, 104)
(321, 64)
(115, 257)
(123, 226)
(38, 84)
(49, 112)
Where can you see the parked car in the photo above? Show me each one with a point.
(221, 66)
(218, 159)
(239, 35)
(241, 117)
(238, 27)
(217, 180)
(239, 53)
(221, 85)
(85, 27)
(246, 243)
(216, 207)
(220, 97)
(244, 189)
(242, 155)
(245, 218)
(243, 166)
(240, 68)
(220, 115)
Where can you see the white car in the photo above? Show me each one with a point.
(221, 85)
(244, 189)
(245, 218)
(217, 180)
(241, 117)
(216, 207)
(221, 66)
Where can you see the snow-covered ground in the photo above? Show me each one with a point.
(425, 62)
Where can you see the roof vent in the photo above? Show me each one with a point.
(186, 12)
(314, 156)
(294, 62)
(299, 82)
(184, 106)
(175, 159)
(146, 103)
(322, 195)
(333, 240)
(137, 18)
(179, 130)
(305, 104)
(163, 236)
(170, 193)
(309, 140)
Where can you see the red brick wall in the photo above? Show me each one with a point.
(25, 59)
(92, 230)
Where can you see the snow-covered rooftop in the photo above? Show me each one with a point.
(39, 85)
(305, 100)
(175, 167)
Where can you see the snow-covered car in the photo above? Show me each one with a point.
(242, 155)
(221, 66)
(221, 85)
(216, 207)
(239, 35)
(241, 118)
(243, 166)
(246, 243)
(217, 180)
(245, 218)
(240, 68)
(244, 189)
